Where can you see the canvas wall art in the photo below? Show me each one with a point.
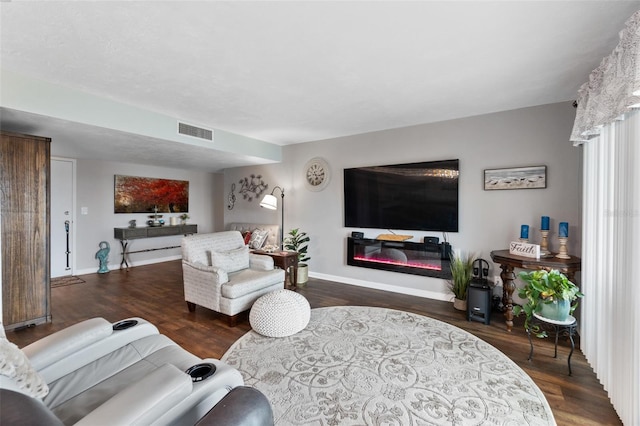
(516, 178)
(135, 194)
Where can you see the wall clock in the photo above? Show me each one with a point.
(316, 174)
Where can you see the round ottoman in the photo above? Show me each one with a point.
(280, 313)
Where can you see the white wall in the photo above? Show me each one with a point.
(95, 190)
(489, 220)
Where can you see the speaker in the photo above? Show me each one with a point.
(356, 234)
(479, 304)
(445, 251)
(431, 240)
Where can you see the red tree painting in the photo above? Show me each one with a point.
(140, 195)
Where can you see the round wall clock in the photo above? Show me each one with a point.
(316, 174)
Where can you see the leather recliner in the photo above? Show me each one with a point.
(118, 374)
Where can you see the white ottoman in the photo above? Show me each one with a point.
(280, 313)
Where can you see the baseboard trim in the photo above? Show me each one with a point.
(381, 286)
(138, 263)
(344, 280)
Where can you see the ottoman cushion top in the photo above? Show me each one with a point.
(280, 313)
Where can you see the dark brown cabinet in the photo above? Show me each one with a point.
(24, 201)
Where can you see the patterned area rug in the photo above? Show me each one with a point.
(362, 365)
(68, 280)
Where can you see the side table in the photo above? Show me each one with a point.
(508, 262)
(566, 328)
(287, 260)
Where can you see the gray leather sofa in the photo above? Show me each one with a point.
(98, 373)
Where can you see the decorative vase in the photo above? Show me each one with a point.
(558, 310)
(303, 274)
(460, 304)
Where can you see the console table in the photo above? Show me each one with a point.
(509, 261)
(126, 234)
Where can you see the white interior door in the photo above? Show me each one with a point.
(62, 211)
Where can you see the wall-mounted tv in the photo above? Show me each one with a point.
(414, 196)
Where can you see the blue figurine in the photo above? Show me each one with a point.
(103, 256)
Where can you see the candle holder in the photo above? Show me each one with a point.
(562, 252)
(523, 240)
(544, 244)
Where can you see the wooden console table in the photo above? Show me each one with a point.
(286, 260)
(508, 262)
(126, 234)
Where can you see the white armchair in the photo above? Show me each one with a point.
(220, 273)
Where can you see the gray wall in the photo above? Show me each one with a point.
(489, 220)
(95, 180)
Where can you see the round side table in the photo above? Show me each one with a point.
(566, 328)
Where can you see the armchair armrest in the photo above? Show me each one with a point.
(144, 401)
(260, 262)
(219, 276)
(67, 350)
(56, 346)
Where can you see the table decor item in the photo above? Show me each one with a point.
(549, 294)
(544, 244)
(544, 223)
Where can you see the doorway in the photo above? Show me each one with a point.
(63, 189)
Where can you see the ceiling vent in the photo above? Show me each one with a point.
(195, 132)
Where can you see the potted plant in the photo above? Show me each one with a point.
(461, 274)
(298, 241)
(549, 294)
(184, 217)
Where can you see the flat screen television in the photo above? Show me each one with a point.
(414, 196)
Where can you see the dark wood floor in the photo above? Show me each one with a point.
(154, 292)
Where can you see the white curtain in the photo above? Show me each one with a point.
(608, 126)
(610, 330)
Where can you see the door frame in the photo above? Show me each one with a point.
(72, 228)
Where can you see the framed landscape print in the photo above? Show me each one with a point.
(141, 194)
(516, 178)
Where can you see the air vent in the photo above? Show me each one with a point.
(195, 132)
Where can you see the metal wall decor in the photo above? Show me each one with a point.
(516, 178)
(232, 197)
(252, 187)
(133, 194)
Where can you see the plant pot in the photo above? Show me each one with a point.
(558, 310)
(303, 274)
(460, 304)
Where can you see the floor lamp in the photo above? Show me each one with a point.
(271, 202)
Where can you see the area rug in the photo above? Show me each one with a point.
(373, 366)
(67, 280)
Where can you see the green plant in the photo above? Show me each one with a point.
(298, 241)
(184, 216)
(461, 274)
(544, 287)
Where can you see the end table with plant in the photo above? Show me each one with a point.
(298, 241)
(548, 294)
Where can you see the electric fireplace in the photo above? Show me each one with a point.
(398, 256)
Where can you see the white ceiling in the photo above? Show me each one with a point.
(291, 72)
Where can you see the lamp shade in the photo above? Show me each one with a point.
(269, 202)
